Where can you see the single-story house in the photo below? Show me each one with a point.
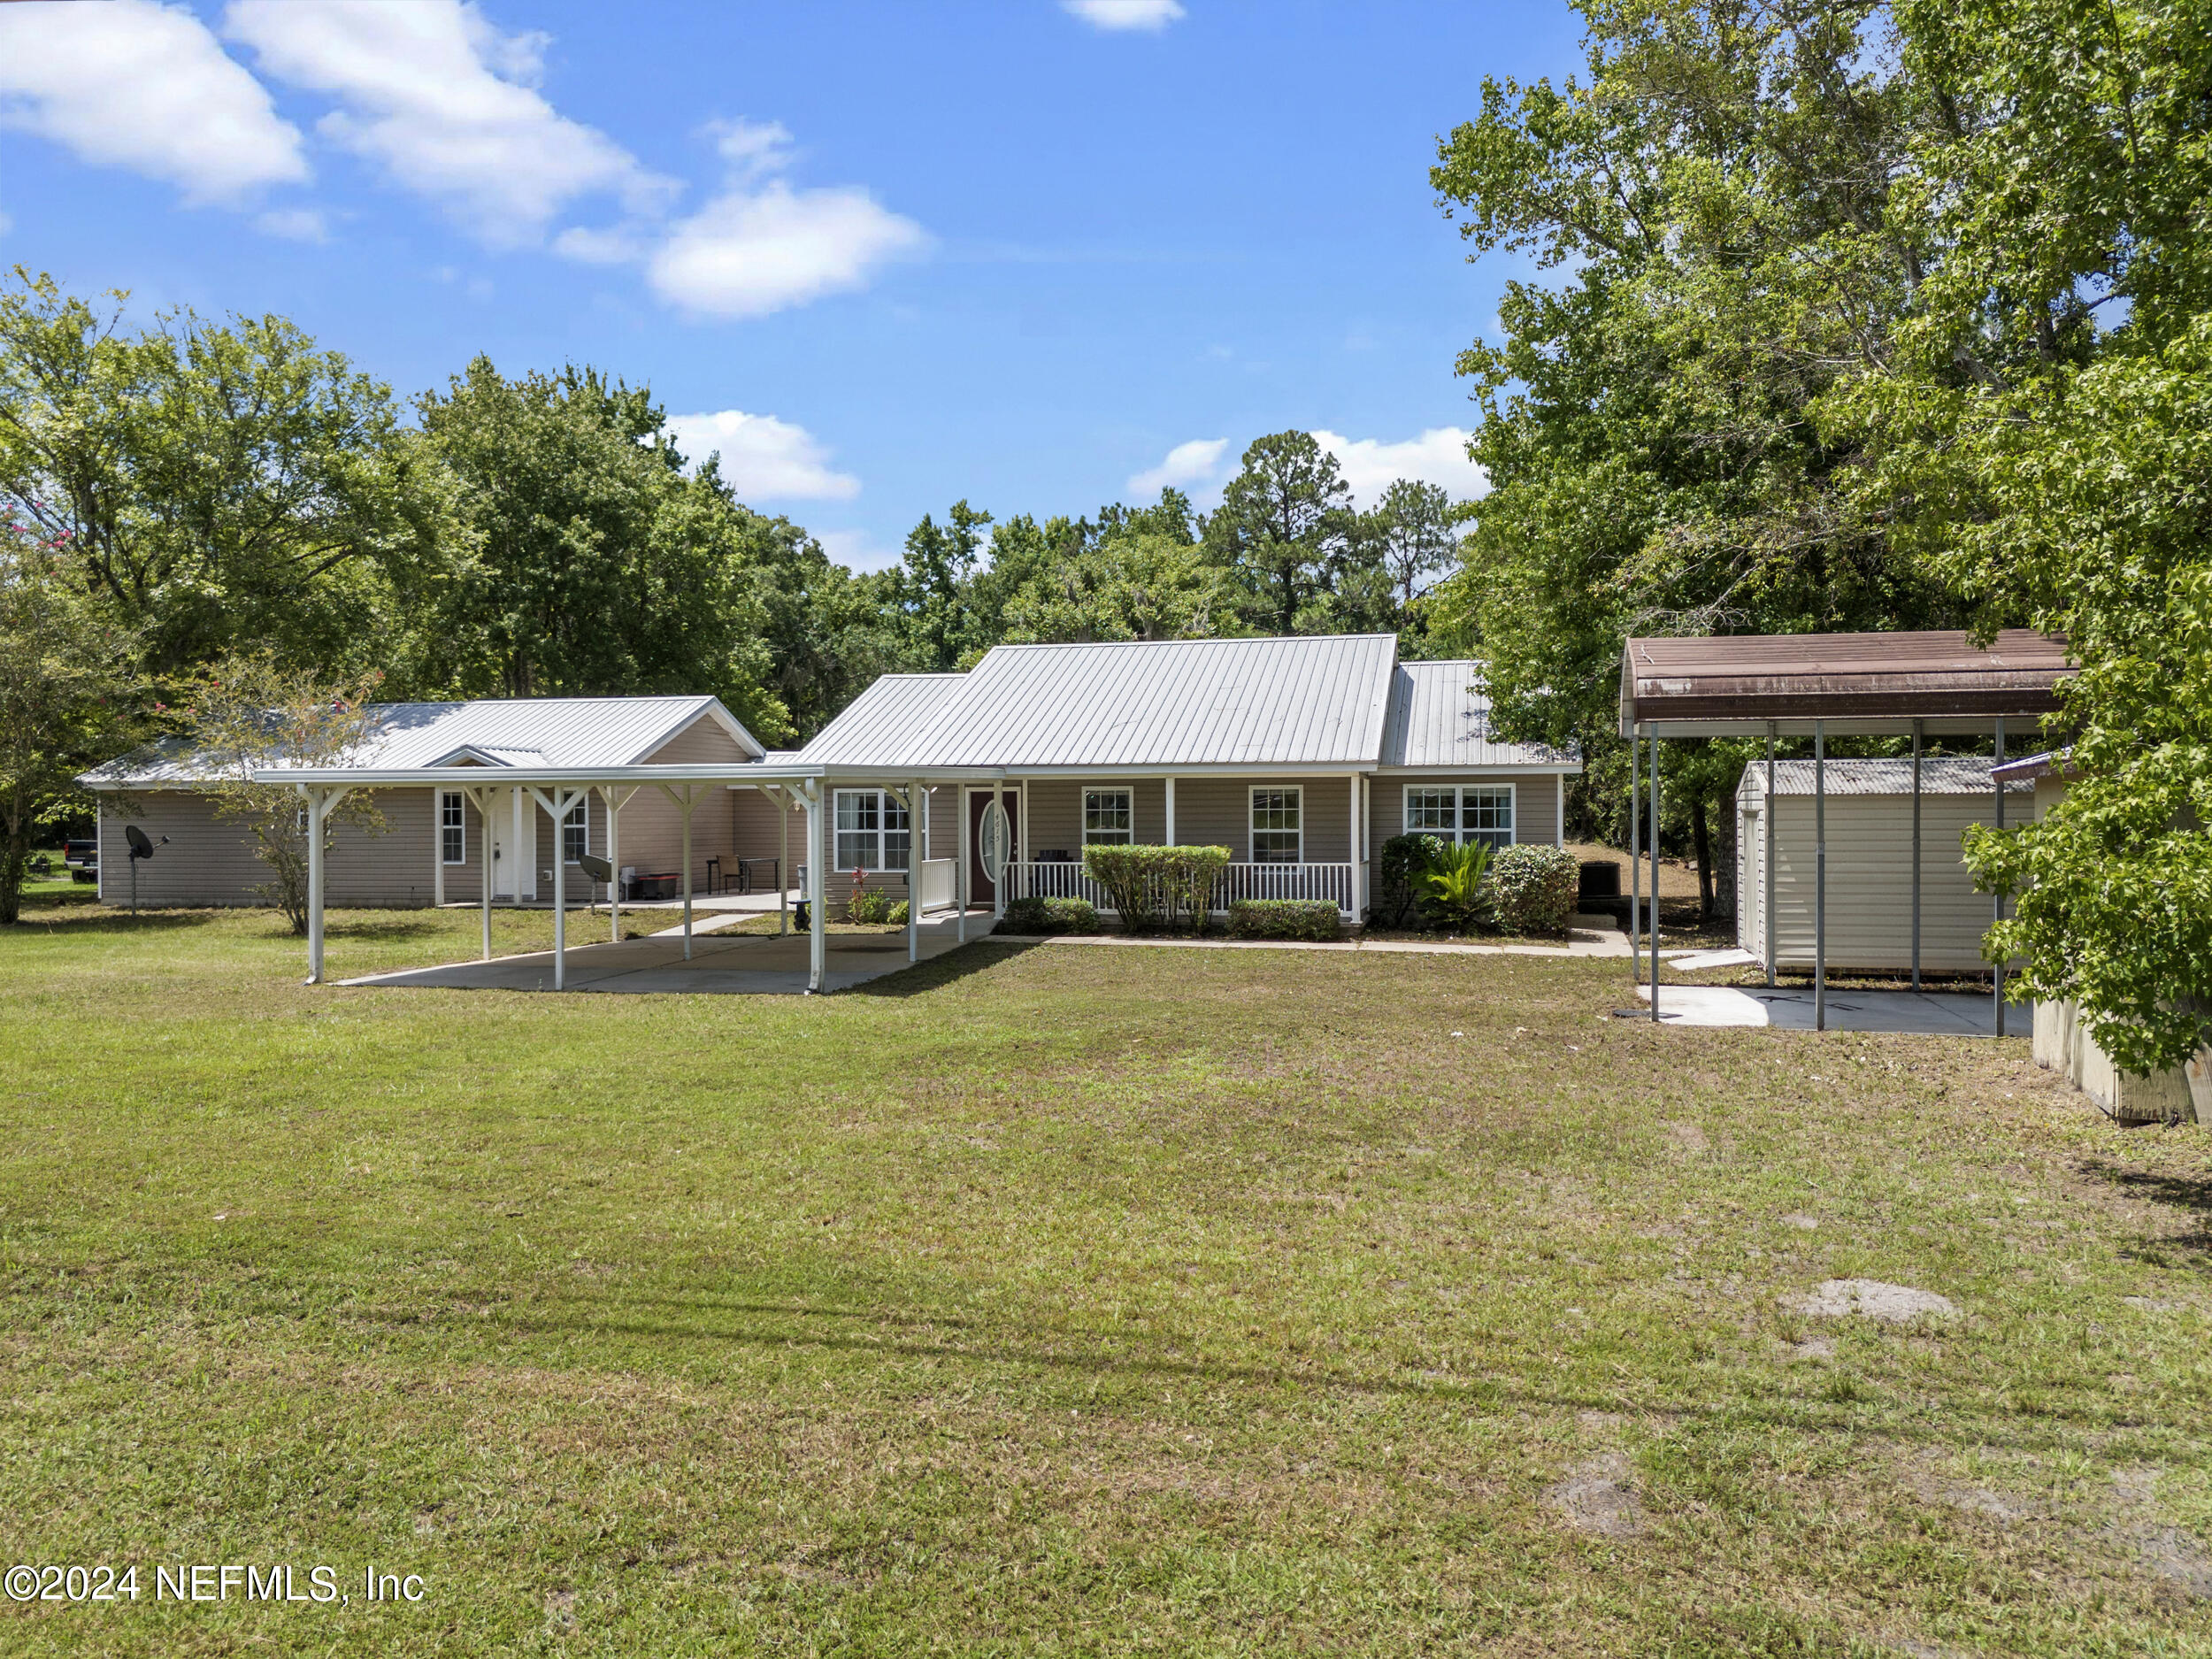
(1299, 754)
(1871, 856)
(438, 839)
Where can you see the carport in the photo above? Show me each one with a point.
(1817, 685)
(555, 790)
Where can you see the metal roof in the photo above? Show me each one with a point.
(1856, 682)
(1315, 701)
(1939, 774)
(1440, 716)
(522, 731)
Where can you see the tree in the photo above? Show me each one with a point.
(596, 566)
(1141, 586)
(926, 592)
(1717, 216)
(70, 697)
(1415, 532)
(827, 637)
(215, 483)
(251, 713)
(1285, 525)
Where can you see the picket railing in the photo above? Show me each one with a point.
(1242, 880)
(937, 884)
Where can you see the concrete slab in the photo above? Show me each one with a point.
(1947, 1014)
(720, 964)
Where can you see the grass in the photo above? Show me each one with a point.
(1056, 1302)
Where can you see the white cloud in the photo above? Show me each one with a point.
(441, 99)
(762, 246)
(857, 549)
(1439, 455)
(294, 224)
(763, 458)
(145, 87)
(1195, 462)
(1124, 15)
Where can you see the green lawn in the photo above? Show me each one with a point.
(1056, 1301)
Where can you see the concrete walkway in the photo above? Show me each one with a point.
(747, 964)
(1580, 942)
(1946, 1014)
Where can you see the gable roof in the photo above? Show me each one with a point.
(491, 733)
(1440, 717)
(1312, 701)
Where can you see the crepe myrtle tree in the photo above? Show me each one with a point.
(252, 713)
(70, 697)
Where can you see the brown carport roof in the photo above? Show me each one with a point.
(1855, 682)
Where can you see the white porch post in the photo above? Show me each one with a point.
(818, 888)
(1654, 875)
(914, 871)
(783, 861)
(1997, 905)
(1918, 728)
(483, 799)
(616, 801)
(1171, 811)
(1559, 809)
(1006, 869)
(689, 799)
(437, 847)
(960, 870)
(516, 852)
(1351, 885)
(314, 885)
(560, 891)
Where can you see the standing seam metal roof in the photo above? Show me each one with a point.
(580, 732)
(1440, 717)
(1939, 774)
(1311, 701)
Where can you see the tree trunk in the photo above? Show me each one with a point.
(1701, 830)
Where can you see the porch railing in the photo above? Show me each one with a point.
(937, 885)
(1240, 880)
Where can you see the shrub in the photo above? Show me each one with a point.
(1285, 918)
(1398, 872)
(1454, 888)
(1152, 888)
(897, 916)
(870, 905)
(1049, 916)
(1534, 889)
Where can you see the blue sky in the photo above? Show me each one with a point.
(1042, 254)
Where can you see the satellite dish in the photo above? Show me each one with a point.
(140, 848)
(597, 868)
(996, 839)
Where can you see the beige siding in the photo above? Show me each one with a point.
(212, 861)
(1217, 813)
(1535, 803)
(1870, 882)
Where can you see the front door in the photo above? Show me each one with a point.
(506, 867)
(979, 888)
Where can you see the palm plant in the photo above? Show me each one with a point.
(1455, 888)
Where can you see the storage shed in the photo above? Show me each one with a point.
(1869, 814)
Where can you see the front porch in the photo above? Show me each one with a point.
(1340, 883)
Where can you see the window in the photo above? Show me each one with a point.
(576, 832)
(1109, 819)
(1479, 812)
(871, 830)
(1276, 835)
(453, 844)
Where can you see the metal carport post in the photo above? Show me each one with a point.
(557, 806)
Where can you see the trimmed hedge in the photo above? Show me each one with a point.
(1153, 887)
(1049, 916)
(1285, 918)
(1534, 889)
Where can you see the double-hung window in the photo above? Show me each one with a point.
(1109, 817)
(1278, 833)
(576, 832)
(453, 838)
(871, 830)
(1479, 813)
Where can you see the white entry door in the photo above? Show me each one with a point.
(506, 867)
